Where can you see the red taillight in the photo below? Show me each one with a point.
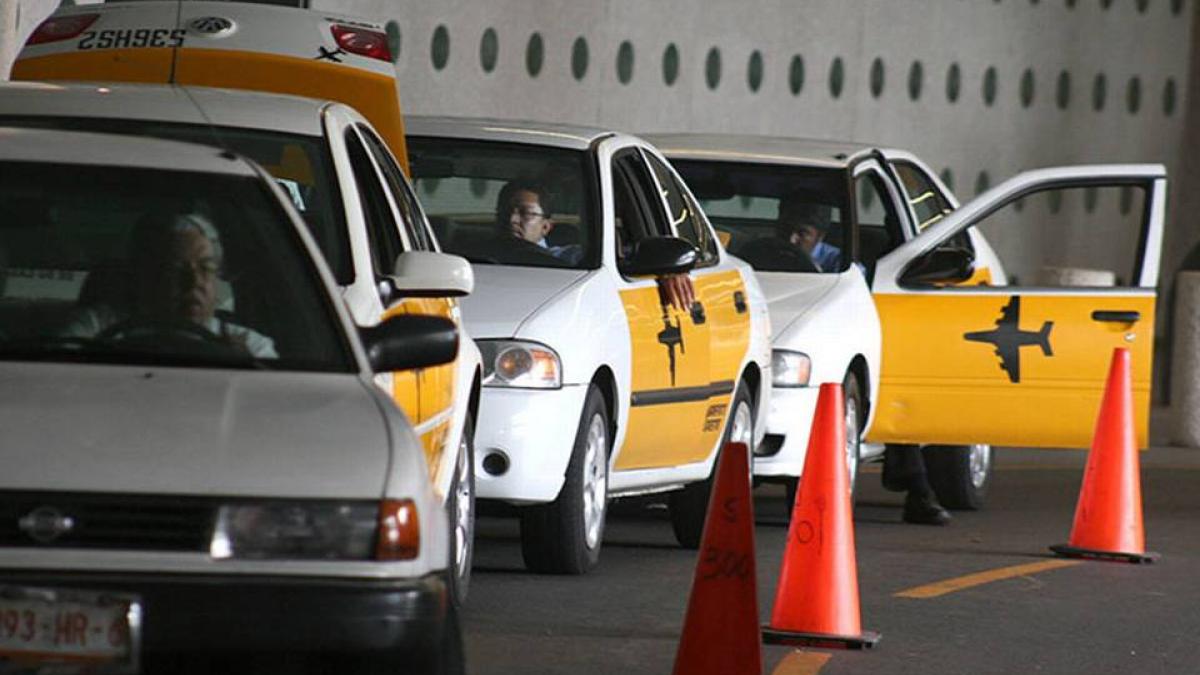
(399, 530)
(363, 42)
(61, 28)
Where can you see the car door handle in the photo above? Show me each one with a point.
(698, 317)
(1116, 316)
(739, 302)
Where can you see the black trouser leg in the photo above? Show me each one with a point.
(913, 463)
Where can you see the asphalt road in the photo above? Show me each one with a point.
(1092, 617)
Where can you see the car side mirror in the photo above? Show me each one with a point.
(429, 274)
(948, 265)
(660, 255)
(409, 341)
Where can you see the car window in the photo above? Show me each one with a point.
(381, 224)
(120, 265)
(301, 164)
(879, 225)
(508, 203)
(778, 218)
(685, 215)
(411, 216)
(928, 203)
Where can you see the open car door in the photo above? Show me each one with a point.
(1023, 364)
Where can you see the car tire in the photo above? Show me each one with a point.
(960, 474)
(852, 407)
(564, 536)
(689, 506)
(460, 507)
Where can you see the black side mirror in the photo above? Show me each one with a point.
(660, 255)
(410, 341)
(949, 265)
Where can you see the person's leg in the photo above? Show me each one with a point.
(920, 505)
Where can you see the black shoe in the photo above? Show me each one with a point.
(924, 509)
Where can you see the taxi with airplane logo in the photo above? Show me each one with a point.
(603, 376)
(904, 300)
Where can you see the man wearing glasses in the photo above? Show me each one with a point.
(524, 213)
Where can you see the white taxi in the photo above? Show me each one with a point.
(595, 384)
(884, 316)
(196, 466)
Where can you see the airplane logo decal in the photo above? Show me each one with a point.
(1008, 338)
(671, 336)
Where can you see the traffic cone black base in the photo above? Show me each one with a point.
(1066, 551)
(773, 636)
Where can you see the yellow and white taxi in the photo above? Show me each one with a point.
(595, 384)
(917, 314)
(343, 169)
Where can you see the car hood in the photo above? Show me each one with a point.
(505, 296)
(102, 428)
(790, 295)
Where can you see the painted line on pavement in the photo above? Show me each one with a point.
(979, 578)
(801, 663)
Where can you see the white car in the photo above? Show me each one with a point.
(595, 386)
(888, 318)
(195, 459)
(358, 206)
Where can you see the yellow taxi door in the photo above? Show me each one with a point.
(669, 348)
(427, 395)
(1023, 364)
(720, 302)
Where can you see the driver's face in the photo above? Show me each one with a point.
(526, 218)
(807, 237)
(191, 277)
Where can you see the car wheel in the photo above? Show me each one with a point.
(564, 536)
(689, 506)
(461, 509)
(960, 474)
(853, 409)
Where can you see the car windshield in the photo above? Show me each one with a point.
(507, 203)
(301, 164)
(777, 218)
(113, 264)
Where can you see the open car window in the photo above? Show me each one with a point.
(124, 265)
(508, 203)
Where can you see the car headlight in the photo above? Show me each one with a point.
(513, 363)
(790, 369)
(317, 530)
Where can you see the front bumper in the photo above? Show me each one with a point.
(789, 421)
(223, 615)
(534, 430)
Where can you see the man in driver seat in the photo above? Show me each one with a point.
(176, 261)
(523, 211)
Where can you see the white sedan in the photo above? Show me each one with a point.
(196, 460)
(359, 207)
(598, 381)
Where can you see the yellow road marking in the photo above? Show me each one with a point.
(801, 663)
(979, 578)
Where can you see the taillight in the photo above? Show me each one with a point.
(363, 42)
(399, 531)
(58, 28)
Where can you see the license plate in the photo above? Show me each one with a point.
(68, 631)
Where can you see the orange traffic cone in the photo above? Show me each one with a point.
(816, 602)
(720, 632)
(1108, 516)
